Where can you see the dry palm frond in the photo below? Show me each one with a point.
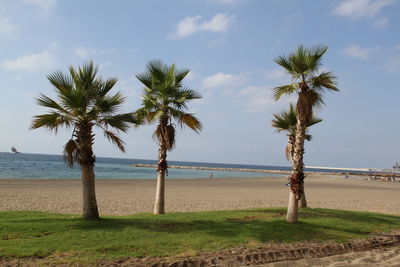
(114, 138)
(71, 153)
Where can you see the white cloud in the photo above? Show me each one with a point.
(361, 8)
(276, 74)
(256, 98)
(190, 25)
(222, 80)
(393, 65)
(3, 6)
(44, 4)
(30, 62)
(84, 52)
(357, 52)
(7, 27)
(381, 24)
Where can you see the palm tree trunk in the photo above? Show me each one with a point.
(292, 212)
(159, 205)
(297, 175)
(90, 210)
(303, 200)
(86, 160)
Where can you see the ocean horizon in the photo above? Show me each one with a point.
(45, 166)
(48, 166)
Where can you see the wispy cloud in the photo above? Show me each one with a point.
(393, 64)
(30, 62)
(191, 25)
(381, 24)
(356, 9)
(84, 52)
(256, 98)
(44, 4)
(276, 74)
(223, 80)
(356, 51)
(3, 6)
(7, 27)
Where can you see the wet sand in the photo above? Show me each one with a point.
(122, 197)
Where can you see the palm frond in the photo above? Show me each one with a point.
(314, 120)
(288, 151)
(324, 80)
(71, 153)
(285, 63)
(46, 101)
(121, 122)
(315, 99)
(107, 86)
(115, 139)
(285, 120)
(107, 104)
(308, 137)
(165, 135)
(190, 121)
(280, 91)
(52, 121)
(83, 97)
(164, 99)
(181, 74)
(63, 83)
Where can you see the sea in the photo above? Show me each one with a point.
(42, 166)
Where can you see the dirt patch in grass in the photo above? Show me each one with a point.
(246, 219)
(240, 256)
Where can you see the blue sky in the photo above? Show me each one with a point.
(229, 45)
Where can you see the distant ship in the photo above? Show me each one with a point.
(14, 150)
(396, 166)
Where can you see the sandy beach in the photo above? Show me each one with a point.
(122, 197)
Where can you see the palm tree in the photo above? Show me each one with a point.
(309, 82)
(164, 101)
(286, 121)
(84, 101)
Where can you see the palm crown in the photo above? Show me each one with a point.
(84, 99)
(304, 65)
(165, 99)
(285, 121)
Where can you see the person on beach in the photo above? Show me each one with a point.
(211, 175)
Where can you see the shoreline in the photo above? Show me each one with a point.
(379, 176)
(129, 196)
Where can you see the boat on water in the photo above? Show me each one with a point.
(396, 166)
(14, 150)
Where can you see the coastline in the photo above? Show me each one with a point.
(349, 174)
(129, 196)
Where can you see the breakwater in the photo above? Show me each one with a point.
(213, 168)
(375, 176)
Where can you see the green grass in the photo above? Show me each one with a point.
(39, 234)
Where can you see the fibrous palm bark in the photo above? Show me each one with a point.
(85, 140)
